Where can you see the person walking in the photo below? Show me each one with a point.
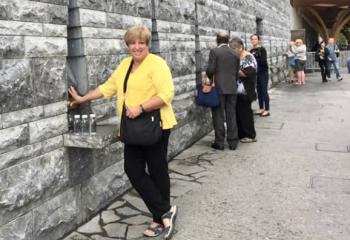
(321, 57)
(149, 87)
(348, 64)
(299, 49)
(333, 58)
(223, 67)
(246, 94)
(260, 55)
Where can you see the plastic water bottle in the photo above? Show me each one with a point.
(76, 124)
(84, 124)
(92, 124)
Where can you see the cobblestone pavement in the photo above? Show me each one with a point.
(294, 183)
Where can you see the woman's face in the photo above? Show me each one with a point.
(138, 49)
(254, 40)
(323, 44)
(237, 49)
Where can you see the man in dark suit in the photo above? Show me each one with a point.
(223, 69)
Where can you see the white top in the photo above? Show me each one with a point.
(300, 52)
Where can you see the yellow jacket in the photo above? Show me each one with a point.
(151, 78)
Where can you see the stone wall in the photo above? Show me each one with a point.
(48, 188)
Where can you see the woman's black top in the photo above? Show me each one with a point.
(260, 55)
(321, 55)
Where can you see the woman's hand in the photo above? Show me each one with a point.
(77, 98)
(133, 112)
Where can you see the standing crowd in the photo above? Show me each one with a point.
(241, 77)
(326, 54)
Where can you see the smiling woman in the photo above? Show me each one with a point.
(143, 83)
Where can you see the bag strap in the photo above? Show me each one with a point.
(127, 76)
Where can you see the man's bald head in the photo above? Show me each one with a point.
(222, 37)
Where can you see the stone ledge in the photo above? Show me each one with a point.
(106, 135)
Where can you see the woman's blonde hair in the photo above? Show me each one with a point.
(137, 33)
(299, 40)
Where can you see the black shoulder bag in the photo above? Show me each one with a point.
(145, 130)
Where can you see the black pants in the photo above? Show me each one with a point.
(154, 188)
(245, 118)
(226, 111)
(262, 83)
(324, 70)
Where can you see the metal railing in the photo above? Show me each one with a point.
(311, 64)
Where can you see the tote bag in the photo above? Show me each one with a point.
(210, 99)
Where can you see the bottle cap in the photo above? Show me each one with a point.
(76, 116)
(92, 115)
(84, 116)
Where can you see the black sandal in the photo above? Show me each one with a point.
(156, 230)
(171, 215)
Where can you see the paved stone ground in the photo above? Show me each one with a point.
(294, 183)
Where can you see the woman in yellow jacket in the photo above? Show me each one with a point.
(149, 87)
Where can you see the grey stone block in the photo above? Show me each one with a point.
(185, 135)
(54, 30)
(103, 47)
(14, 28)
(80, 165)
(19, 155)
(180, 63)
(174, 45)
(91, 4)
(59, 2)
(92, 18)
(97, 141)
(48, 128)
(55, 109)
(107, 109)
(23, 10)
(103, 187)
(133, 8)
(50, 80)
(57, 14)
(107, 156)
(19, 229)
(11, 47)
(28, 184)
(22, 116)
(176, 11)
(45, 46)
(57, 216)
(91, 32)
(184, 84)
(174, 27)
(119, 21)
(100, 68)
(12, 138)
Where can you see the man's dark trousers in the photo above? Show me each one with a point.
(226, 111)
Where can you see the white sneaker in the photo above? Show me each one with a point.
(329, 79)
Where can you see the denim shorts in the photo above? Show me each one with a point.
(300, 65)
